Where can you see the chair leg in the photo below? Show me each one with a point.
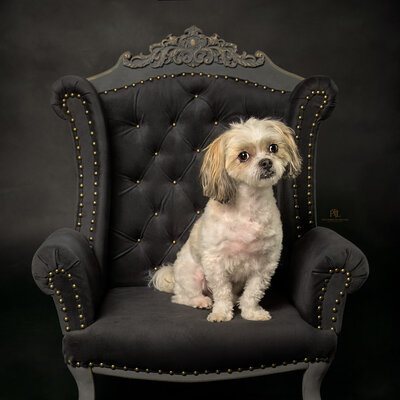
(312, 380)
(84, 380)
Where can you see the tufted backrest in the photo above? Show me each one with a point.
(158, 131)
(139, 132)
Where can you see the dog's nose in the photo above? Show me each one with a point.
(265, 163)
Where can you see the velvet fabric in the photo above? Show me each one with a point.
(325, 268)
(138, 327)
(65, 267)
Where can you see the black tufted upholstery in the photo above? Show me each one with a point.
(158, 131)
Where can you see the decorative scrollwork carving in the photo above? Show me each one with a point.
(193, 48)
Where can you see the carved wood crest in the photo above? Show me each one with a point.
(193, 48)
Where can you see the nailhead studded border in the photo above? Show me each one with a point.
(79, 364)
(164, 76)
(338, 301)
(96, 169)
(61, 300)
(311, 144)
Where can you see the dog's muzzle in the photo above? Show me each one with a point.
(265, 166)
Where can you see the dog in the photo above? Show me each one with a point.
(234, 248)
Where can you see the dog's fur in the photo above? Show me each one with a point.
(234, 248)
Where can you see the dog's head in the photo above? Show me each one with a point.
(257, 153)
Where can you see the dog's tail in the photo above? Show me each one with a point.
(163, 279)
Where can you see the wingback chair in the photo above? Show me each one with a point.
(139, 130)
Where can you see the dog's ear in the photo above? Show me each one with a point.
(294, 167)
(217, 184)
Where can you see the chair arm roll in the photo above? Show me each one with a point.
(66, 268)
(325, 268)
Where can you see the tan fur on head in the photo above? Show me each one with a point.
(294, 166)
(221, 171)
(217, 184)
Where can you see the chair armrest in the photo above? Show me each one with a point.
(66, 268)
(324, 268)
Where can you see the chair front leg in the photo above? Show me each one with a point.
(84, 380)
(312, 380)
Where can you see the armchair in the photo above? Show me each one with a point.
(138, 131)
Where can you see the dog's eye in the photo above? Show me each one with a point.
(273, 148)
(243, 156)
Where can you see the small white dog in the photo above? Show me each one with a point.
(234, 248)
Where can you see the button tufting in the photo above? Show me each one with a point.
(138, 156)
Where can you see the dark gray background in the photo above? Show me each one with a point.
(355, 43)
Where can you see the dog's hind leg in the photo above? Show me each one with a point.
(189, 281)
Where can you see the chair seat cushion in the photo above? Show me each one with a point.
(139, 328)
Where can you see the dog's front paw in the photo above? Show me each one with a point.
(219, 317)
(202, 302)
(257, 314)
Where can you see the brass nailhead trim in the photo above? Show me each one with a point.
(324, 289)
(310, 154)
(91, 364)
(61, 300)
(183, 74)
(80, 213)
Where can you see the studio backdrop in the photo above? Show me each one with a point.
(357, 45)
